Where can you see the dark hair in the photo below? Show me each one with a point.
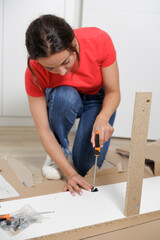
(47, 35)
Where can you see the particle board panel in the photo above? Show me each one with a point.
(104, 230)
(137, 152)
(141, 232)
(86, 215)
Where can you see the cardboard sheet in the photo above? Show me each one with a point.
(106, 205)
(6, 190)
(152, 155)
(104, 177)
(22, 172)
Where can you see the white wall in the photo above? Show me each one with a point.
(1, 57)
(134, 27)
(15, 17)
(72, 13)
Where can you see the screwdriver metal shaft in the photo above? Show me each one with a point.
(97, 151)
(95, 168)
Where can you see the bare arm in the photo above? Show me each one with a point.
(38, 108)
(110, 103)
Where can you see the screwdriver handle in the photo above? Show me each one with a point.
(6, 216)
(97, 148)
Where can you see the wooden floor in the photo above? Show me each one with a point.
(23, 143)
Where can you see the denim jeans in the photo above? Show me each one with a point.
(65, 104)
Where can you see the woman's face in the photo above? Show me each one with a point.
(59, 63)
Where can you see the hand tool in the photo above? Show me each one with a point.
(97, 151)
(8, 216)
(20, 220)
(5, 217)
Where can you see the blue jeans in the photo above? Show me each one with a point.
(65, 104)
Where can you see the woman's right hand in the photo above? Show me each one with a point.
(74, 184)
(38, 109)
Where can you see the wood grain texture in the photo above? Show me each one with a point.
(137, 152)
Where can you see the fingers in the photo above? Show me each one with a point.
(74, 185)
(84, 184)
(70, 188)
(65, 188)
(105, 134)
(101, 137)
(93, 138)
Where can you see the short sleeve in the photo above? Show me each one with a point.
(107, 50)
(32, 88)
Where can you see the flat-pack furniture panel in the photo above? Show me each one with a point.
(84, 213)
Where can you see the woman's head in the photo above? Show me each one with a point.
(49, 36)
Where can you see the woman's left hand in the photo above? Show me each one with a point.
(104, 128)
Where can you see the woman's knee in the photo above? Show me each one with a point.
(65, 97)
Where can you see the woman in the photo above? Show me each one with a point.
(71, 74)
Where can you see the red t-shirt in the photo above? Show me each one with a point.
(96, 51)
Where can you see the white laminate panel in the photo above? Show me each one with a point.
(74, 212)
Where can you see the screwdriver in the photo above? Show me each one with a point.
(8, 216)
(5, 217)
(97, 151)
